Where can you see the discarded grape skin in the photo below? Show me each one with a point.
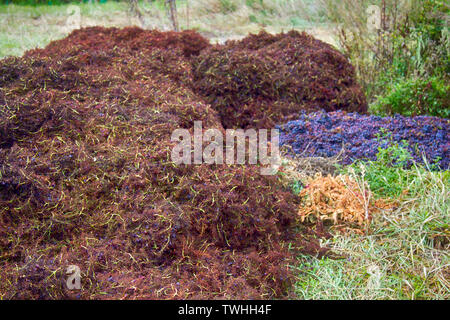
(323, 134)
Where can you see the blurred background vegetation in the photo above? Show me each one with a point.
(403, 64)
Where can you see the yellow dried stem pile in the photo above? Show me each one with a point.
(341, 200)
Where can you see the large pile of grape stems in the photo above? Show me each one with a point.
(87, 177)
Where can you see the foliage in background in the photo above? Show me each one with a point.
(293, 13)
(28, 25)
(407, 58)
(427, 96)
(50, 2)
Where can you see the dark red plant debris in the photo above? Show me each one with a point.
(86, 176)
(132, 38)
(267, 79)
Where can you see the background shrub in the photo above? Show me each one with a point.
(408, 57)
(416, 97)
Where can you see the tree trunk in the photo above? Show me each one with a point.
(172, 7)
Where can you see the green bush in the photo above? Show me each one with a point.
(405, 64)
(422, 44)
(416, 97)
(228, 6)
(415, 80)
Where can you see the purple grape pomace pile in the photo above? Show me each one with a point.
(322, 134)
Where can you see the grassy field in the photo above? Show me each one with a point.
(405, 256)
(26, 27)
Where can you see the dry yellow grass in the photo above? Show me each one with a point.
(342, 200)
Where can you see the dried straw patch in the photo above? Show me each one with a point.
(342, 200)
